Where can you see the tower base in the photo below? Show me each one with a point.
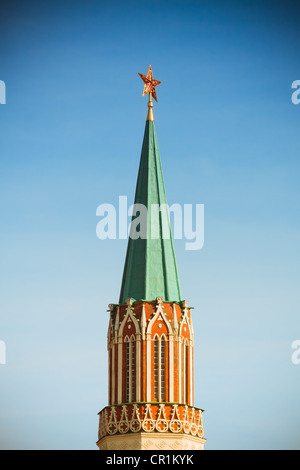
(151, 441)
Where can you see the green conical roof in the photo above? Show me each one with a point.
(150, 269)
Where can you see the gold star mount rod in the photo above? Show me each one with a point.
(149, 87)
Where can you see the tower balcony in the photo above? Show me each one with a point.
(151, 418)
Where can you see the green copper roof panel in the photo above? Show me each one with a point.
(150, 269)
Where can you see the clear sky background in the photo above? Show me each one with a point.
(71, 135)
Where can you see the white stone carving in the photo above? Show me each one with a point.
(175, 423)
(135, 423)
(186, 425)
(182, 430)
(189, 422)
(129, 317)
(148, 424)
(123, 425)
(112, 426)
(159, 315)
(161, 422)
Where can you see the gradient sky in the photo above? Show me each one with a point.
(71, 135)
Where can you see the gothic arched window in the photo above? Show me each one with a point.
(159, 365)
(163, 369)
(184, 369)
(130, 368)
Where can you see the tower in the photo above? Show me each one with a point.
(150, 335)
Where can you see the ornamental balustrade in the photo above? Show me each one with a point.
(150, 417)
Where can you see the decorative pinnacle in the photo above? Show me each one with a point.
(149, 87)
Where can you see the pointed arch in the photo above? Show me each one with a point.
(127, 315)
(159, 311)
(185, 318)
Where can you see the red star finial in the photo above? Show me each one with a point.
(150, 83)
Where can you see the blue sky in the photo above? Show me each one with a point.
(71, 136)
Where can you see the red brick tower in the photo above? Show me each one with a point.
(150, 335)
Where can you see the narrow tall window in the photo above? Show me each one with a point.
(159, 365)
(130, 369)
(127, 371)
(184, 370)
(187, 387)
(156, 368)
(163, 369)
(132, 343)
